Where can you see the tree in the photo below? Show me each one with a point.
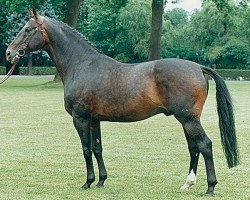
(225, 8)
(99, 22)
(175, 42)
(156, 29)
(72, 12)
(217, 34)
(214, 43)
(71, 15)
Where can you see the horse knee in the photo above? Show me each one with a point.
(87, 153)
(97, 151)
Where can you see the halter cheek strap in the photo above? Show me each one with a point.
(21, 52)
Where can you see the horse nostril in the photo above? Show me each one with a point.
(8, 55)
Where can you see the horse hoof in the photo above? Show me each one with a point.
(209, 194)
(100, 185)
(185, 187)
(86, 186)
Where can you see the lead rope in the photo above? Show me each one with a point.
(9, 72)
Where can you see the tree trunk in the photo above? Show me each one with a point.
(156, 29)
(30, 64)
(71, 15)
(72, 12)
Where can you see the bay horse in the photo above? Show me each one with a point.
(98, 88)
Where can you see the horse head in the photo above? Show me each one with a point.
(30, 38)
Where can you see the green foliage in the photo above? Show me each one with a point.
(177, 16)
(234, 53)
(134, 30)
(217, 38)
(99, 23)
(216, 35)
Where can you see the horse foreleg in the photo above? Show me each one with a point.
(194, 158)
(97, 149)
(83, 129)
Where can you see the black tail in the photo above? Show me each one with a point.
(226, 118)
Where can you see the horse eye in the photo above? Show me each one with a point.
(28, 29)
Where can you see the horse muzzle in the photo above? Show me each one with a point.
(14, 56)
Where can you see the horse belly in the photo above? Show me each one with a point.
(140, 106)
(129, 114)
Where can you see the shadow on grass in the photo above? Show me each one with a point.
(52, 84)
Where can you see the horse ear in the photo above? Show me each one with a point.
(32, 13)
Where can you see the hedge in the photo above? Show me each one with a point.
(35, 70)
(39, 70)
(229, 74)
(2, 70)
(234, 74)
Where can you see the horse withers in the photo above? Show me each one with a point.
(99, 88)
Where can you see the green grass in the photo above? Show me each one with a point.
(41, 156)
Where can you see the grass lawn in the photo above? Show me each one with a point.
(41, 156)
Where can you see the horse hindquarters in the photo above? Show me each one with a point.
(185, 91)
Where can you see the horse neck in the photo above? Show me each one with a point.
(67, 49)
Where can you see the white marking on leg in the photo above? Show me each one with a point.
(191, 180)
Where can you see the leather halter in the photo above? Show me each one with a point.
(21, 52)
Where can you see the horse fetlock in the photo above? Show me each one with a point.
(187, 186)
(191, 180)
(101, 181)
(211, 186)
(88, 183)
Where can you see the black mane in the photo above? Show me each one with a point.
(79, 35)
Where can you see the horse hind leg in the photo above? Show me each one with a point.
(202, 144)
(194, 158)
